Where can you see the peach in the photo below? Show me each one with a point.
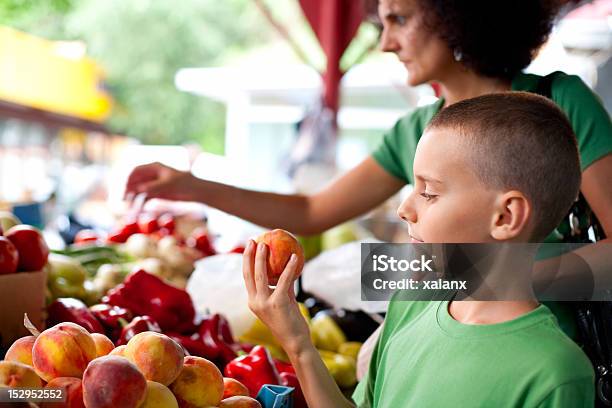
(200, 384)
(118, 351)
(73, 388)
(239, 402)
(157, 356)
(158, 396)
(64, 350)
(233, 387)
(103, 344)
(281, 244)
(18, 375)
(21, 350)
(113, 382)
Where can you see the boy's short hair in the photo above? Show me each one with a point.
(520, 141)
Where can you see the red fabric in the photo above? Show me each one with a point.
(335, 23)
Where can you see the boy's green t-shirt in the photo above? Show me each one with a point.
(425, 358)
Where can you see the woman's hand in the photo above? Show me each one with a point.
(277, 308)
(159, 181)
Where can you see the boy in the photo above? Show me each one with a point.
(496, 168)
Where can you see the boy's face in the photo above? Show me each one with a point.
(449, 203)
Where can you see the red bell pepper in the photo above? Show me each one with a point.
(146, 294)
(289, 379)
(245, 348)
(138, 325)
(283, 367)
(216, 334)
(75, 311)
(113, 318)
(254, 370)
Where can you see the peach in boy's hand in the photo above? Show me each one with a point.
(281, 245)
(277, 308)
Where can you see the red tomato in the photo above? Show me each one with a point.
(86, 235)
(32, 248)
(147, 224)
(199, 240)
(167, 221)
(237, 250)
(9, 257)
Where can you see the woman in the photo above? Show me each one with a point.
(469, 49)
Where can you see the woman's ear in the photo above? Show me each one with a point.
(512, 216)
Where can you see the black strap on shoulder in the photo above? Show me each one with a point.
(544, 87)
(545, 83)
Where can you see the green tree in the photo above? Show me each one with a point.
(143, 43)
(41, 17)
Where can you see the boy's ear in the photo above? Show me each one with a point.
(511, 217)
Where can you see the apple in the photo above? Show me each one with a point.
(9, 257)
(32, 248)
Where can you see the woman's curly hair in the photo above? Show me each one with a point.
(495, 38)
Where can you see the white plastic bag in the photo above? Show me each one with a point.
(216, 286)
(335, 277)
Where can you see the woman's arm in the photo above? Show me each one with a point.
(597, 190)
(352, 194)
(279, 310)
(590, 259)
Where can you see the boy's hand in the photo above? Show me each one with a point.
(277, 308)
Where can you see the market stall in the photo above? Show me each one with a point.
(109, 300)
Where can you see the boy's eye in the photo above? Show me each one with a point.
(428, 197)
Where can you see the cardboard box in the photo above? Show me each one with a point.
(22, 292)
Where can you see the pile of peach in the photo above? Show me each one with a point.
(150, 371)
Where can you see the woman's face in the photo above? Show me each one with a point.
(426, 57)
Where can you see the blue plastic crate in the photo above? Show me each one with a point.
(275, 396)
